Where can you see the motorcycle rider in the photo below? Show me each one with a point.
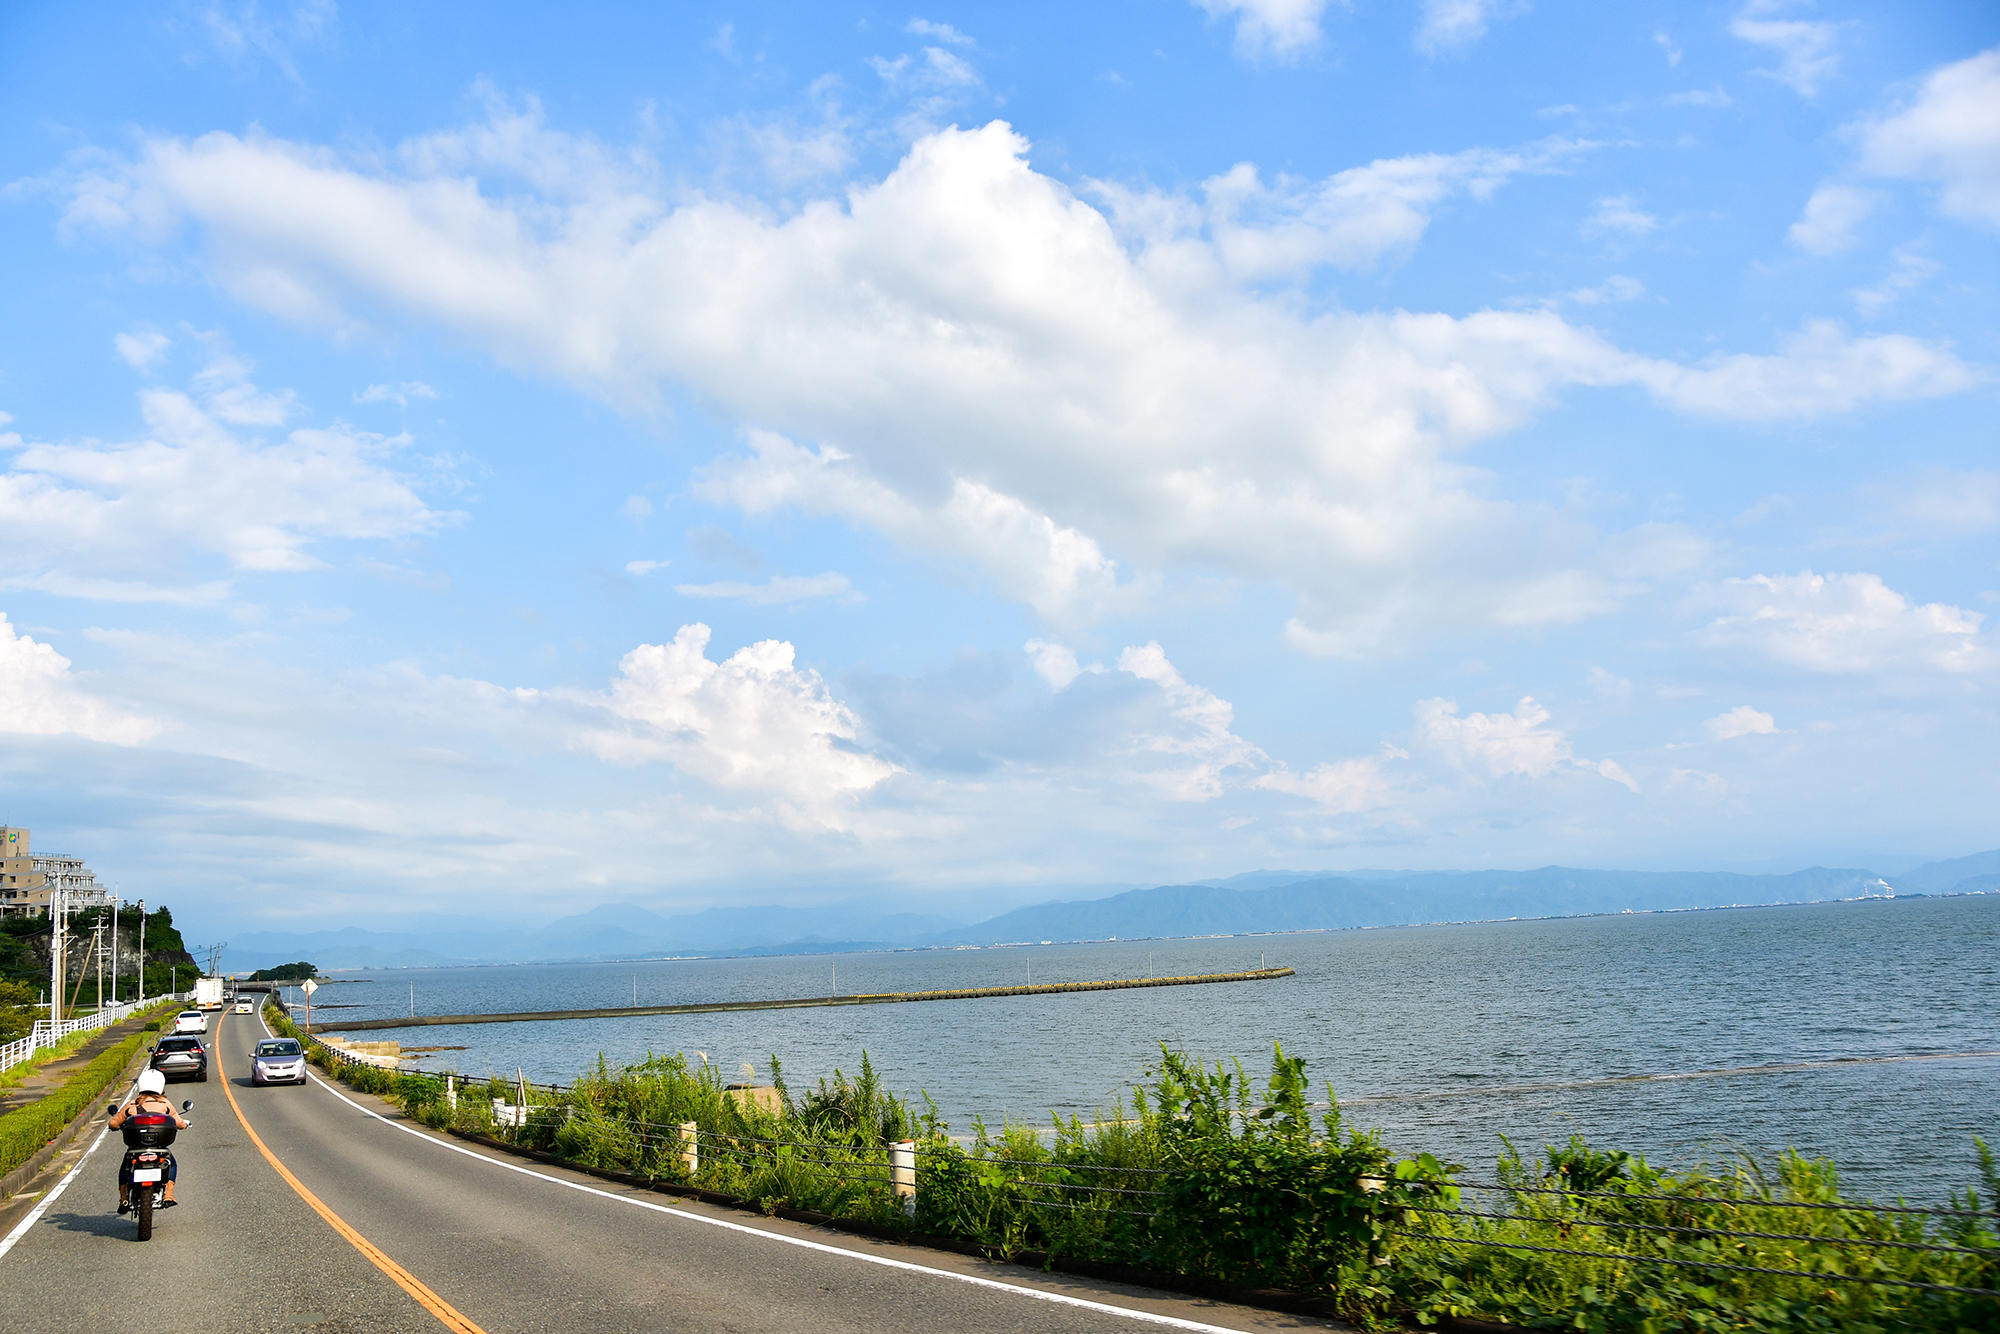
(149, 1096)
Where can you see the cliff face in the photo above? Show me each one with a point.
(25, 943)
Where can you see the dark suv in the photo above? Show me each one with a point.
(181, 1056)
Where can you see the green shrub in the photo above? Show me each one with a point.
(25, 1130)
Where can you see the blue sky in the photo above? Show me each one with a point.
(457, 458)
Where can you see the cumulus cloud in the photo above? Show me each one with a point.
(1280, 29)
(1740, 721)
(40, 697)
(1909, 269)
(1203, 747)
(1847, 624)
(1805, 48)
(641, 568)
(776, 590)
(1948, 135)
(754, 722)
(1504, 745)
(1831, 215)
(972, 360)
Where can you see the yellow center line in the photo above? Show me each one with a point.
(448, 1315)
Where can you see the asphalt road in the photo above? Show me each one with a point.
(482, 1242)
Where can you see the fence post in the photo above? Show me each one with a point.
(451, 1092)
(903, 1174)
(690, 1148)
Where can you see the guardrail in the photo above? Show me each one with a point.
(44, 1034)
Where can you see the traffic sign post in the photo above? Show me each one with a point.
(309, 987)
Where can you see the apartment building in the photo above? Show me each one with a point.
(28, 882)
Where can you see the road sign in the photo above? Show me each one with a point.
(309, 986)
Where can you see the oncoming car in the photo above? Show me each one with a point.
(190, 1021)
(180, 1056)
(278, 1061)
(245, 1007)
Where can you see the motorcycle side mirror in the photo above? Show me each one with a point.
(187, 1104)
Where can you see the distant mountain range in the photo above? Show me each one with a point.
(1255, 902)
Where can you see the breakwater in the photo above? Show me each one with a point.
(805, 1002)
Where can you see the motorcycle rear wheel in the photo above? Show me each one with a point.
(144, 1203)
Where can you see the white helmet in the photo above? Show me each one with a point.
(151, 1081)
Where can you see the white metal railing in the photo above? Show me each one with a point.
(45, 1034)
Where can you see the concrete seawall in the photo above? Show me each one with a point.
(804, 1002)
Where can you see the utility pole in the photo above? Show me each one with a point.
(114, 949)
(56, 972)
(142, 950)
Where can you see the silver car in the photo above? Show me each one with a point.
(278, 1061)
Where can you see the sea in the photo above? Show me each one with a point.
(1864, 1032)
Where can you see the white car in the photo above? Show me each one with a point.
(245, 1007)
(190, 1021)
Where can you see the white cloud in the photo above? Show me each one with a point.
(97, 516)
(141, 349)
(1618, 287)
(637, 508)
(1351, 220)
(641, 568)
(776, 590)
(39, 697)
(1505, 745)
(1847, 624)
(242, 29)
(1949, 136)
(1708, 99)
(1058, 571)
(1281, 29)
(1202, 748)
(1817, 372)
(1804, 47)
(1454, 23)
(753, 722)
(1831, 215)
(1054, 663)
(1945, 501)
(972, 363)
(399, 394)
(1909, 270)
(1340, 787)
(1618, 213)
(1740, 721)
(1668, 47)
(937, 32)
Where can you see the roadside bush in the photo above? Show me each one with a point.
(25, 1130)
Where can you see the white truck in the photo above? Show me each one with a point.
(208, 993)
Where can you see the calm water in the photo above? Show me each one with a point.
(1426, 1032)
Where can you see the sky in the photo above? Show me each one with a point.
(458, 459)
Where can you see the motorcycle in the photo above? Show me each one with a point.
(149, 1139)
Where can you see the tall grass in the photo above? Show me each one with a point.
(1211, 1175)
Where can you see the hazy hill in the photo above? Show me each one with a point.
(1256, 901)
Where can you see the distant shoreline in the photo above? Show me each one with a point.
(859, 947)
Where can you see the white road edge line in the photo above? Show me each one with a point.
(35, 1214)
(886, 1262)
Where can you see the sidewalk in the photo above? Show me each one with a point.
(50, 1076)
